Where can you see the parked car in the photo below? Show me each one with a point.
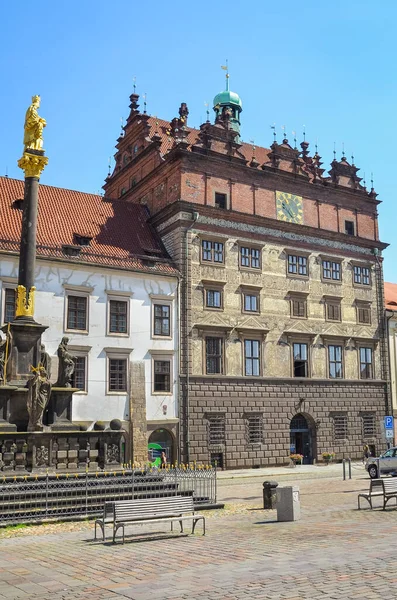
(387, 464)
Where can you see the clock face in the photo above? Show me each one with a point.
(289, 208)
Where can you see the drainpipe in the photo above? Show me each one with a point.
(384, 326)
(389, 314)
(187, 337)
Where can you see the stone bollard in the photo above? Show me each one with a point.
(288, 504)
(269, 494)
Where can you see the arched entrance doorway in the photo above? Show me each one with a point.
(302, 438)
(165, 439)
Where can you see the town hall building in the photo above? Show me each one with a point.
(282, 338)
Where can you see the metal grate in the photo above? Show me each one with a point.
(255, 430)
(216, 431)
(340, 427)
(369, 425)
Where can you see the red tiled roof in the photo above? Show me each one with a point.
(391, 296)
(120, 233)
(161, 127)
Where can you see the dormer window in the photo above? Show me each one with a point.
(82, 240)
(18, 204)
(69, 250)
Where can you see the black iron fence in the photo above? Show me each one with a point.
(26, 498)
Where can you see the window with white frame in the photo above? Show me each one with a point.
(251, 301)
(335, 361)
(9, 304)
(252, 358)
(213, 297)
(213, 252)
(361, 275)
(298, 265)
(250, 257)
(331, 270)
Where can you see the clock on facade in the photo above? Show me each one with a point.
(289, 208)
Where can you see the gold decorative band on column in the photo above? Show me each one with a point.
(24, 303)
(32, 164)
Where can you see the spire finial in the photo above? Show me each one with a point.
(343, 150)
(352, 157)
(274, 131)
(372, 181)
(364, 181)
(144, 103)
(284, 132)
(134, 84)
(226, 68)
(122, 126)
(334, 150)
(316, 146)
(109, 165)
(304, 133)
(295, 146)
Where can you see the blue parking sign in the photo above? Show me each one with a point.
(388, 422)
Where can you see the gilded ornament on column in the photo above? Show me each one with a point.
(24, 303)
(33, 160)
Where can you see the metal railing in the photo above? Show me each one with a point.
(26, 498)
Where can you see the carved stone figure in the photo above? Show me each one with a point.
(34, 125)
(65, 365)
(39, 391)
(3, 356)
(45, 360)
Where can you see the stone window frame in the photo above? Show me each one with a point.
(163, 300)
(301, 298)
(360, 345)
(78, 291)
(222, 338)
(353, 228)
(252, 337)
(81, 352)
(331, 259)
(212, 240)
(118, 296)
(249, 417)
(301, 338)
(117, 354)
(163, 356)
(292, 252)
(213, 286)
(340, 344)
(8, 284)
(250, 246)
(363, 305)
(250, 290)
(334, 301)
(227, 199)
(361, 265)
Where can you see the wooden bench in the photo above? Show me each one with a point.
(152, 510)
(384, 488)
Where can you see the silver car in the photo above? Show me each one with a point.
(387, 464)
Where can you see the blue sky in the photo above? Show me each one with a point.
(327, 65)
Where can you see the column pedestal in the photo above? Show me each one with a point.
(60, 409)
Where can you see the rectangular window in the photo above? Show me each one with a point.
(79, 377)
(212, 251)
(213, 298)
(9, 305)
(250, 257)
(300, 357)
(340, 427)
(214, 355)
(251, 302)
(216, 431)
(117, 374)
(220, 200)
(363, 314)
(297, 265)
(162, 320)
(366, 368)
(299, 307)
(331, 270)
(77, 313)
(335, 364)
(333, 311)
(254, 429)
(368, 425)
(349, 227)
(118, 316)
(162, 376)
(361, 275)
(252, 358)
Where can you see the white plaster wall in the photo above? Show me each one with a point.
(97, 404)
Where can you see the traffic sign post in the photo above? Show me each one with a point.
(389, 433)
(389, 423)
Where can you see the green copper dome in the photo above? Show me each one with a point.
(228, 97)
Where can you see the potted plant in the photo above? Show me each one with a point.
(296, 458)
(328, 457)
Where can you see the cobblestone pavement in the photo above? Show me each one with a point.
(334, 551)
